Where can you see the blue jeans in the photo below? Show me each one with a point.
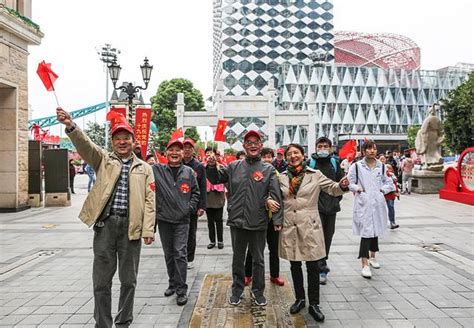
(391, 210)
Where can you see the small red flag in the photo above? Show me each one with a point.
(160, 158)
(229, 158)
(221, 126)
(46, 75)
(202, 154)
(177, 134)
(348, 150)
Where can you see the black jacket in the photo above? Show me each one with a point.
(175, 200)
(328, 204)
(250, 182)
(200, 174)
(281, 167)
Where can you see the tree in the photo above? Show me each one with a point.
(411, 135)
(164, 105)
(96, 133)
(458, 111)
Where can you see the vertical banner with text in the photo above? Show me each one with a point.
(120, 110)
(142, 128)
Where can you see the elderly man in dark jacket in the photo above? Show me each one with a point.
(177, 197)
(250, 182)
(328, 205)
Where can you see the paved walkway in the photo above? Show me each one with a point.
(426, 279)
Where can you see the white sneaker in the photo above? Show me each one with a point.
(190, 265)
(366, 273)
(373, 263)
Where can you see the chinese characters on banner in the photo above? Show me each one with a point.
(142, 128)
(120, 110)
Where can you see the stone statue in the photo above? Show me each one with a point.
(428, 141)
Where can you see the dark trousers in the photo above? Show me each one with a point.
(111, 242)
(255, 241)
(391, 210)
(272, 242)
(193, 224)
(312, 268)
(71, 184)
(368, 244)
(328, 222)
(174, 241)
(215, 224)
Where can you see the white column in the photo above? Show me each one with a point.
(271, 128)
(180, 111)
(311, 123)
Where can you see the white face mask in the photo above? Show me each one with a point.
(323, 153)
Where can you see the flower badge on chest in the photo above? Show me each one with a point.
(185, 188)
(257, 176)
(152, 186)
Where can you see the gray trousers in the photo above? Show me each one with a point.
(174, 239)
(255, 241)
(111, 242)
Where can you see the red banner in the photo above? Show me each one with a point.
(142, 128)
(221, 126)
(120, 110)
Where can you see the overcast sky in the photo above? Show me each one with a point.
(176, 36)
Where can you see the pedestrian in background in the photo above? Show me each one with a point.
(91, 175)
(407, 171)
(279, 162)
(72, 174)
(121, 207)
(369, 183)
(390, 197)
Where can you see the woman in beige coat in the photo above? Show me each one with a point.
(301, 238)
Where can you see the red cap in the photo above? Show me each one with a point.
(280, 151)
(175, 142)
(122, 126)
(189, 141)
(253, 133)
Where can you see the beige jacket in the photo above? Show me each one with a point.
(107, 167)
(302, 238)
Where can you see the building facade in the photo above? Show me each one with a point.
(17, 32)
(252, 38)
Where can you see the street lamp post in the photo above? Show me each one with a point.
(107, 56)
(129, 88)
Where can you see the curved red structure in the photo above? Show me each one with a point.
(458, 182)
(385, 50)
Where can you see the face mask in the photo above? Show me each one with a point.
(323, 153)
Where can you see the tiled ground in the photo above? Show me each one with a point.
(426, 279)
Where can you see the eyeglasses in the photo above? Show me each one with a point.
(252, 143)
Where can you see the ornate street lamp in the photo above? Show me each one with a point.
(129, 88)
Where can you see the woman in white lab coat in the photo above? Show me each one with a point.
(369, 183)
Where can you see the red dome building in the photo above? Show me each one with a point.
(384, 50)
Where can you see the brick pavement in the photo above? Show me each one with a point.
(426, 279)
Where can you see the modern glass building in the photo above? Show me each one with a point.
(253, 37)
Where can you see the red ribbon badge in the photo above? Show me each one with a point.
(257, 176)
(185, 188)
(152, 186)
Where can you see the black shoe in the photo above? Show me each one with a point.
(220, 245)
(394, 226)
(211, 245)
(235, 300)
(181, 300)
(297, 306)
(316, 313)
(169, 292)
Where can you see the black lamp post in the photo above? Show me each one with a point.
(130, 89)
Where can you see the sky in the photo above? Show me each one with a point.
(176, 36)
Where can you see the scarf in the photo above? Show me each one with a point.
(296, 175)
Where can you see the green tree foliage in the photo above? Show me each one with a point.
(458, 110)
(164, 106)
(96, 133)
(411, 135)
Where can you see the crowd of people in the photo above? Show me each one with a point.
(281, 198)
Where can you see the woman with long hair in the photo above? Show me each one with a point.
(302, 238)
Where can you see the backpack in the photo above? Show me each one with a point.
(313, 163)
(357, 171)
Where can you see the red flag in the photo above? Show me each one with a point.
(202, 154)
(348, 150)
(177, 134)
(120, 110)
(229, 158)
(160, 158)
(46, 75)
(221, 126)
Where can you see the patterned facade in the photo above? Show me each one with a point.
(362, 100)
(252, 38)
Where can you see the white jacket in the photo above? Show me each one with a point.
(370, 209)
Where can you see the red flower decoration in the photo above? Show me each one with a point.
(185, 188)
(257, 176)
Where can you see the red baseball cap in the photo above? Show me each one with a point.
(122, 126)
(280, 151)
(189, 141)
(253, 133)
(175, 142)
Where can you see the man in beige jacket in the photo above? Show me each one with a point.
(121, 207)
